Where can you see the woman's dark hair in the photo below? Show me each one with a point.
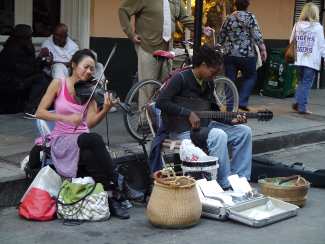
(208, 55)
(242, 5)
(78, 56)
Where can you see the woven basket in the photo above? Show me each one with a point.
(292, 189)
(174, 201)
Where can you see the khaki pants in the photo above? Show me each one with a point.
(149, 68)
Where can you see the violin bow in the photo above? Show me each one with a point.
(99, 80)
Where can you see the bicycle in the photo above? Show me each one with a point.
(225, 93)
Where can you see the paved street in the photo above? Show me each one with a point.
(306, 228)
(287, 129)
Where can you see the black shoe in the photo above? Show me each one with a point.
(133, 194)
(117, 210)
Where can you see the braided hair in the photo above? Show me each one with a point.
(208, 55)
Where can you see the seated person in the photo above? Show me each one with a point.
(193, 88)
(22, 83)
(76, 152)
(58, 50)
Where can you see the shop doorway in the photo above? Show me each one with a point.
(43, 15)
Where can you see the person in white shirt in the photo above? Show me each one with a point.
(60, 47)
(308, 34)
(58, 50)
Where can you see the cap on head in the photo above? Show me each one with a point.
(22, 31)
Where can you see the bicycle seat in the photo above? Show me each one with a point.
(163, 54)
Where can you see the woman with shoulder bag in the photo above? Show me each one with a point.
(239, 35)
(75, 151)
(308, 34)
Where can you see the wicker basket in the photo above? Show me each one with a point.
(292, 189)
(174, 201)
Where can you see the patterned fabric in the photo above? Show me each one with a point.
(239, 33)
(92, 206)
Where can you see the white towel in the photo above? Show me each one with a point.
(167, 28)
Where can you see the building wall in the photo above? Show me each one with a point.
(274, 17)
(104, 19)
(105, 33)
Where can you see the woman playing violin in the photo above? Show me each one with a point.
(74, 150)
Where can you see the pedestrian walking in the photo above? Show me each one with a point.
(308, 34)
(241, 37)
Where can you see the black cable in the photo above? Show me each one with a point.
(106, 122)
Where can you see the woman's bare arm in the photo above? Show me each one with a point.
(47, 100)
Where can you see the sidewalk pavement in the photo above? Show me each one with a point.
(287, 129)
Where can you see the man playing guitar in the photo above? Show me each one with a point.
(192, 90)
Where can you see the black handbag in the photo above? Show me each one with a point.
(265, 168)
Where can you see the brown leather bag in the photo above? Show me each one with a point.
(290, 53)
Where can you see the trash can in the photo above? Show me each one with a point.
(281, 78)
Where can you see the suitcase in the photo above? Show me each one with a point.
(254, 210)
(263, 167)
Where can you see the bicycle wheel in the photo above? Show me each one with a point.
(226, 94)
(139, 95)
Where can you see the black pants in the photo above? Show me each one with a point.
(95, 160)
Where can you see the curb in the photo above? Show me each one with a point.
(283, 140)
(12, 190)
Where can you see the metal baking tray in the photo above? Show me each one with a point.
(261, 212)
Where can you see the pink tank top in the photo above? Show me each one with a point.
(65, 104)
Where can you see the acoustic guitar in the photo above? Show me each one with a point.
(262, 115)
(204, 111)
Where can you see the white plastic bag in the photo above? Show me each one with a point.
(188, 152)
(83, 180)
(48, 180)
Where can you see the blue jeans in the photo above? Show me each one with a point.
(239, 137)
(306, 77)
(247, 66)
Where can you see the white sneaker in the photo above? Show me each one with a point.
(112, 110)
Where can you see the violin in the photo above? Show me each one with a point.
(84, 91)
(87, 90)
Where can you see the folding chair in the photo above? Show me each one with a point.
(154, 120)
(44, 128)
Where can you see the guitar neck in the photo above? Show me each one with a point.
(224, 115)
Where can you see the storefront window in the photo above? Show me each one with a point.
(46, 15)
(7, 17)
(214, 13)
